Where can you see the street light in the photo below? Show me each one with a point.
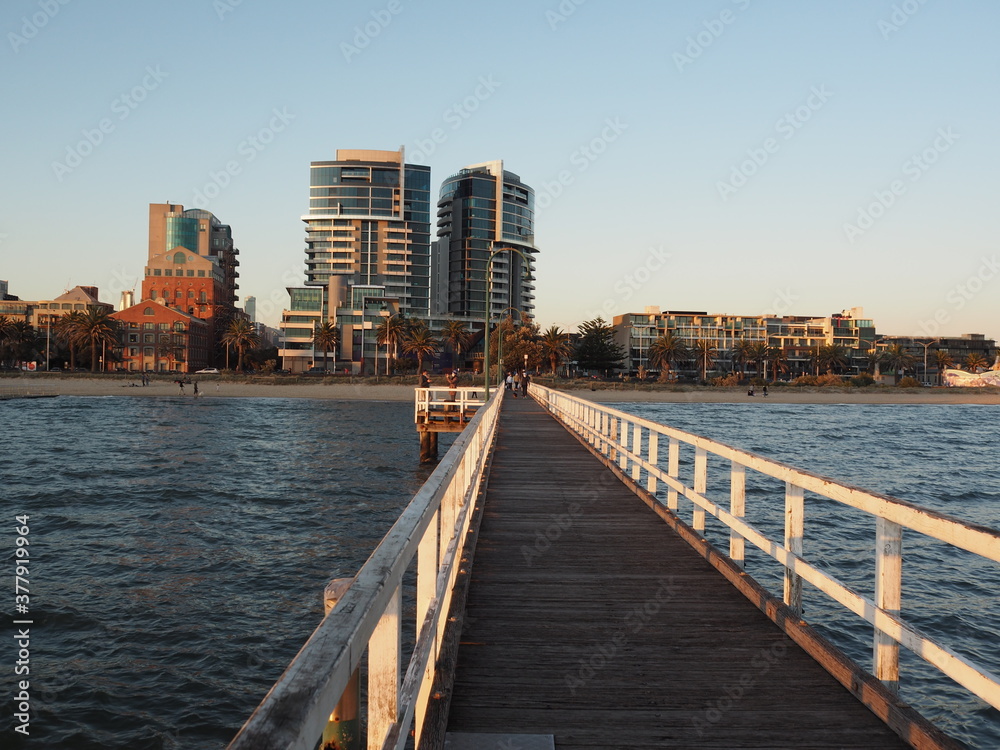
(489, 300)
(933, 341)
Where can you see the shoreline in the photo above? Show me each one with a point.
(214, 387)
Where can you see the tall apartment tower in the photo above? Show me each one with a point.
(368, 228)
(250, 308)
(367, 254)
(481, 209)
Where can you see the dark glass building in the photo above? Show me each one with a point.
(482, 209)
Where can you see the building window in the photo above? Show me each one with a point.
(149, 311)
(203, 298)
(201, 273)
(191, 294)
(190, 272)
(157, 272)
(148, 338)
(167, 272)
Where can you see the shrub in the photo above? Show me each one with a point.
(830, 380)
(728, 381)
(802, 380)
(908, 382)
(862, 380)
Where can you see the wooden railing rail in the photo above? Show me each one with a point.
(633, 444)
(431, 531)
(427, 400)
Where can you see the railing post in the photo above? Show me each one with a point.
(612, 439)
(737, 506)
(700, 486)
(427, 572)
(636, 451)
(623, 442)
(343, 729)
(888, 596)
(794, 528)
(384, 656)
(673, 470)
(652, 459)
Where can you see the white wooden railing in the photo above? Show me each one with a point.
(431, 531)
(634, 445)
(437, 401)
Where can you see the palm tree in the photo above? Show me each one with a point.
(22, 338)
(327, 336)
(756, 352)
(555, 346)
(975, 361)
(666, 349)
(5, 324)
(421, 343)
(391, 331)
(456, 336)
(943, 361)
(832, 357)
(240, 334)
(67, 328)
(705, 351)
(778, 358)
(741, 354)
(96, 326)
(897, 359)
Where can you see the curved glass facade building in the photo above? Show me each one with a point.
(481, 209)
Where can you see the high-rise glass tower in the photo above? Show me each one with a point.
(367, 255)
(481, 209)
(368, 227)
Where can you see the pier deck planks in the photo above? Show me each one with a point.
(616, 634)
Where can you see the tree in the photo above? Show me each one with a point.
(596, 349)
(456, 336)
(241, 335)
(666, 349)
(96, 326)
(756, 353)
(778, 358)
(975, 361)
(555, 346)
(521, 348)
(66, 329)
(943, 361)
(22, 339)
(832, 357)
(704, 350)
(327, 336)
(741, 354)
(420, 342)
(5, 328)
(896, 359)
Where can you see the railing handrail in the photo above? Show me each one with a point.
(620, 437)
(431, 529)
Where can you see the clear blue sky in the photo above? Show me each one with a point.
(732, 156)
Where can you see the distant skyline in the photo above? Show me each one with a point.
(731, 156)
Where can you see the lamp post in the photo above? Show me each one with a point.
(489, 300)
(875, 350)
(932, 341)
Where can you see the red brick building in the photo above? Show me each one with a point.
(157, 338)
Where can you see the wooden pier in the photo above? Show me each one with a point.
(562, 602)
(588, 619)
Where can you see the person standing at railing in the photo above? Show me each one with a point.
(425, 380)
(452, 379)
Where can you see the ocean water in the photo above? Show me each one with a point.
(946, 458)
(179, 547)
(179, 550)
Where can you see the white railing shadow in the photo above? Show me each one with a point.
(633, 444)
(431, 532)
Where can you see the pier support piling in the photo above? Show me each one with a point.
(428, 447)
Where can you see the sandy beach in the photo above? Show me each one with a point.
(216, 387)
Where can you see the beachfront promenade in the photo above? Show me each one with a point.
(561, 601)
